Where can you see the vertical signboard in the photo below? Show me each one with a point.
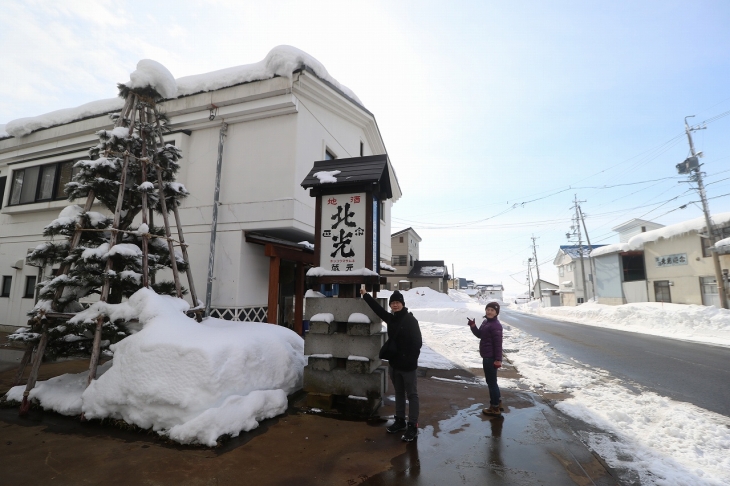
(343, 223)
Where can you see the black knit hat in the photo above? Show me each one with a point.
(494, 306)
(397, 297)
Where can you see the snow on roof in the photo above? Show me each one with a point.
(153, 74)
(605, 250)
(698, 224)
(280, 61)
(725, 242)
(573, 251)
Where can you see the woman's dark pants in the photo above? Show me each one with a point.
(490, 374)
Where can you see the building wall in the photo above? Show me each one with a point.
(608, 281)
(685, 279)
(275, 134)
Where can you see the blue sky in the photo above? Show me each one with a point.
(482, 105)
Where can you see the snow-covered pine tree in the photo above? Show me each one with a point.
(116, 259)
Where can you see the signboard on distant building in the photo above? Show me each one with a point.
(671, 260)
(343, 237)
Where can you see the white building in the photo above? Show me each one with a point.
(569, 263)
(665, 264)
(282, 114)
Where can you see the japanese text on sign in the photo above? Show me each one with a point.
(671, 260)
(342, 247)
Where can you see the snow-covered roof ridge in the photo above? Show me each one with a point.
(281, 61)
(614, 248)
(697, 224)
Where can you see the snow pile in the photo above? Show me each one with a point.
(280, 61)
(152, 74)
(326, 176)
(358, 317)
(678, 321)
(3, 132)
(323, 317)
(191, 382)
(723, 243)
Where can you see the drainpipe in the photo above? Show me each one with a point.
(214, 224)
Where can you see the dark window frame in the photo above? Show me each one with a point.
(7, 285)
(56, 189)
(329, 155)
(29, 287)
(3, 183)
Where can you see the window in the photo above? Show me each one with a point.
(400, 260)
(633, 267)
(329, 155)
(561, 270)
(580, 300)
(41, 183)
(3, 180)
(29, 287)
(411, 257)
(400, 239)
(643, 229)
(362, 149)
(382, 210)
(7, 282)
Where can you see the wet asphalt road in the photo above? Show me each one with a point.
(684, 371)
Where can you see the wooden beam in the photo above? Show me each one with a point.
(292, 255)
(274, 265)
(299, 298)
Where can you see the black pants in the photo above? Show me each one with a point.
(404, 383)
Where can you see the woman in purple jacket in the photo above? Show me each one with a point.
(490, 349)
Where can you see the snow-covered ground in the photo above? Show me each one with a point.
(664, 441)
(228, 376)
(677, 321)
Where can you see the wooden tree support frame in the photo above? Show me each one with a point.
(137, 110)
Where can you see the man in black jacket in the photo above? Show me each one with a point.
(404, 329)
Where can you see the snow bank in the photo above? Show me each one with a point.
(678, 321)
(280, 61)
(192, 382)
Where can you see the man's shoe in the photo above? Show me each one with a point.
(411, 432)
(397, 426)
(493, 411)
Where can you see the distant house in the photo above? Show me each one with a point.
(404, 247)
(666, 264)
(491, 292)
(433, 274)
(547, 292)
(569, 263)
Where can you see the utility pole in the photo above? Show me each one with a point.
(537, 269)
(575, 231)
(529, 275)
(692, 166)
(591, 263)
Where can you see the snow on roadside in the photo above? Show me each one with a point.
(663, 441)
(677, 321)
